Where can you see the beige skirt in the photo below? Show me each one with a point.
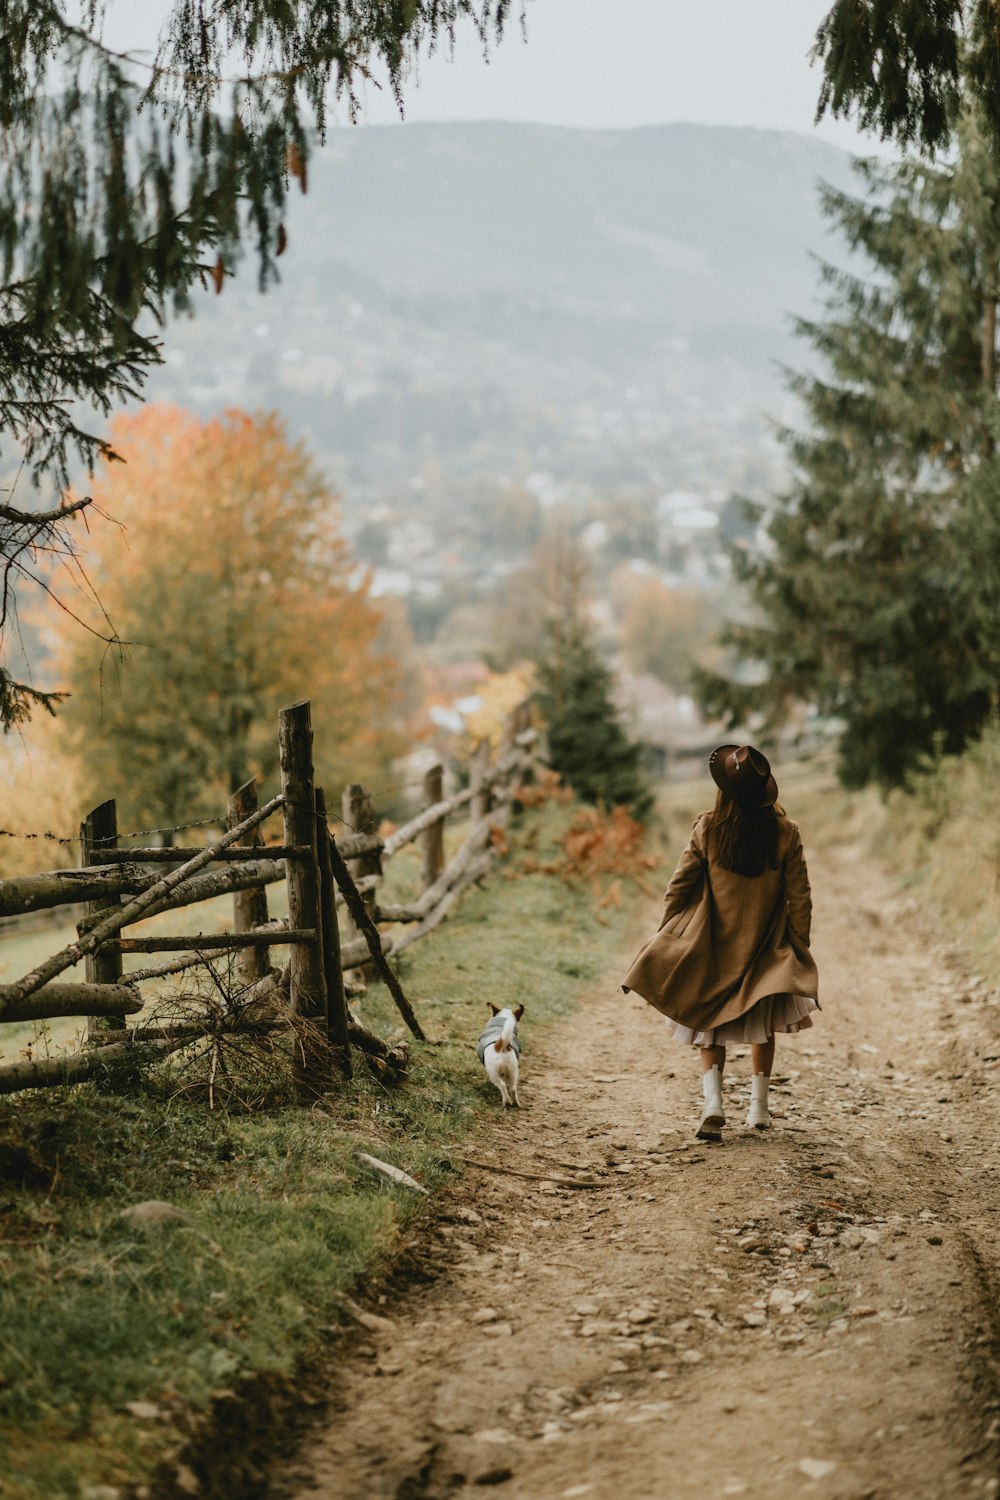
(774, 1013)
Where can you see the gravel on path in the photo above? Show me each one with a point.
(811, 1311)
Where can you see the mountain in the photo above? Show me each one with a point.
(479, 302)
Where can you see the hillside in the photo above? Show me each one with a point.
(496, 299)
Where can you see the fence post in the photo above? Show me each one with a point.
(249, 907)
(432, 838)
(100, 828)
(508, 735)
(479, 767)
(359, 816)
(307, 988)
(336, 1000)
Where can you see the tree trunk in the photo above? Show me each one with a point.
(308, 986)
(100, 829)
(989, 357)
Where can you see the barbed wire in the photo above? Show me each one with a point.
(136, 833)
(55, 838)
(210, 822)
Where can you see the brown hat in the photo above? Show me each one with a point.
(743, 774)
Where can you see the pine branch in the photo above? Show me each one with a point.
(35, 518)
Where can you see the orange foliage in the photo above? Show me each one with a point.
(600, 842)
(664, 631)
(547, 787)
(229, 582)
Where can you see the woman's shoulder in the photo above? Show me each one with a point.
(788, 830)
(699, 833)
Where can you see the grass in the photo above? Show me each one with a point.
(939, 837)
(280, 1218)
(943, 840)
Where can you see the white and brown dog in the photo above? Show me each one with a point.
(499, 1049)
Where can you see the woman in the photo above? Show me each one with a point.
(730, 963)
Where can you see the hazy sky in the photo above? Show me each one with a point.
(607, 63)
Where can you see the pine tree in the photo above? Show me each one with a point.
(900, 64)
(127, 182)
(588, 745)
(869, 607)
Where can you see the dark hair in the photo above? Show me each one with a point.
(746, 838)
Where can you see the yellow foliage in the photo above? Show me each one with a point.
(40, 793)
(500, 693)
(664, 631)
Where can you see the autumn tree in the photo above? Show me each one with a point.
(231, 593)
(664, 631)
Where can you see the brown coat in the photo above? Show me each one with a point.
(726, 940)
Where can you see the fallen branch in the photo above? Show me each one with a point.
(394, 1174)
(507, 1170)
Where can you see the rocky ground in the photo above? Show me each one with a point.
(625, 1313)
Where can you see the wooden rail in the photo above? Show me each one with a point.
(327, 870)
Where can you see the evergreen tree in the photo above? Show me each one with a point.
(588, 745)
(899, 63)
(125, 182)
(870, 606)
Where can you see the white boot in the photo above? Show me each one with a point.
(712, 1116)
(758, 1115)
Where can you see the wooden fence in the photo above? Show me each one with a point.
(335, 916)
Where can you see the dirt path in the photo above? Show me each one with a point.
(812, 1312)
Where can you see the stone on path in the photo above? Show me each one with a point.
(816, 1468)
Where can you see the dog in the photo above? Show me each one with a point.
(499, 1049)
